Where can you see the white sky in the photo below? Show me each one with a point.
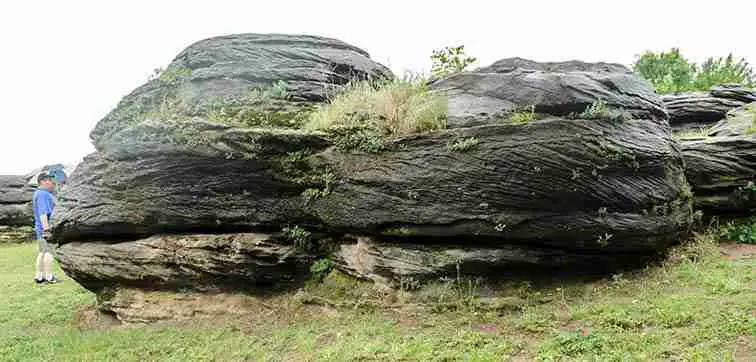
(65, 64)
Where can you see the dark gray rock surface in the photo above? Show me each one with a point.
(15, 201)
(722, 167)
(487, 94)
(222, 69)
(243, 261)
(556, 191)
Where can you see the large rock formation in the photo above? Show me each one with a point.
(15, 201)
(716, 131)
(721, 166)
(691, 111)
(230, 75)
(169, 202)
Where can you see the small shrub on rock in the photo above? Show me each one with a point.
(299, 237)
(599, 110)
(462, 144)
(523, 116)
(365, 113)
(450, 60)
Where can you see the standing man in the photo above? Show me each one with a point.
(43, 204)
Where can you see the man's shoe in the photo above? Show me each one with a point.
(39, 281)
(54, 280)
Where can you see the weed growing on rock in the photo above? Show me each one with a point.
(365, 113)
(450, 60)
(599, 110)
(462, 144)
(523, 116)
(299, 237)
(320, 268)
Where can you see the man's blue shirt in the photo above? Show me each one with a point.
(43, 204)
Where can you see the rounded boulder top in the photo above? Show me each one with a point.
(297, 70)
(487, 94)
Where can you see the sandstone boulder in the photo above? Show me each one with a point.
(222, 76)
(491, 93)
(721, 167)
(15, 201)
(557, 191)
(689, 111)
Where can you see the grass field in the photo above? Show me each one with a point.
(699, 305)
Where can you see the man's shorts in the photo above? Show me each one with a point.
(44, 247)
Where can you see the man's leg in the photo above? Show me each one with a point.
(40, 274)
(48, 263)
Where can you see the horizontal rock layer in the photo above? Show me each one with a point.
(15, 201)
(722, 166)
(491, 93)
(242, 261)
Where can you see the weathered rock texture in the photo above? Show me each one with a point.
(702, 109)
(241, 261)
(554, 88)
(15, 201)
(553, 192)
(721, 167)
(15, 234)
(213, 75)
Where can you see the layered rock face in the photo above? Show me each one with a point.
(716, 132)
(690, 111)
(721, 166)
(559, 89)
(15, 201)
(190, 203)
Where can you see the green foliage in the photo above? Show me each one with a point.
(523, 116)
(599, 110)
(450, 60)
(742, 231)
(268, 107)
(320, 268)
(277, 90)
(462, 144)
(715, 71)
(171, 76)
(670, 72)
(299, 237)
(366, 113)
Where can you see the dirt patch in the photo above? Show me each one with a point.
(90, 318)
(733, 251)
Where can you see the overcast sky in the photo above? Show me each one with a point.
(65, 64)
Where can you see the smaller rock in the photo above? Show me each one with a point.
(388, 264)
(194, 261)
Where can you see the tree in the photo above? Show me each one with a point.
(450, 60)
(715, 71)
(668, 72)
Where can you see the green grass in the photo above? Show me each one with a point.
(696, 306)
(389, 108)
